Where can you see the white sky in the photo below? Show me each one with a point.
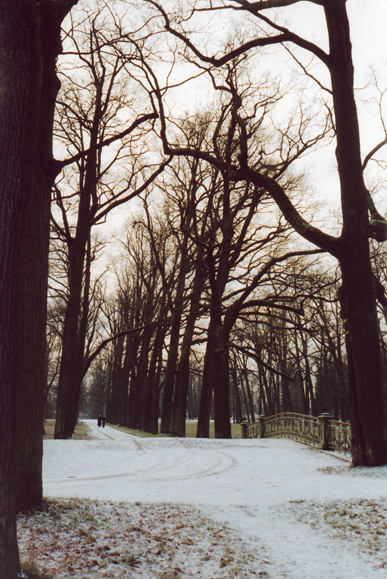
(274, 494)
(368, 24)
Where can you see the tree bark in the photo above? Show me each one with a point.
(19, 77)
(30, 43)
(203, 427)
(368, 405)
(116, 400)
(173, 351)
(70, 364)
(249, 393)
(221, 381)
(216, 379)
(238, 417)
(150, 386)
(179, 406)
(40, 46)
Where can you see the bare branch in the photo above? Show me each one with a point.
(135, 193)
(369, 156)
(285, 35)
(105, 342)
(105, 143)
(313, 234)
(260, 361)
(266, 4)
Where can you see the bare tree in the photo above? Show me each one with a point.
(95, 110)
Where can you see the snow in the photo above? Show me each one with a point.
(224, 508)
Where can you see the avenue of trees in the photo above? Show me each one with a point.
(226, 298)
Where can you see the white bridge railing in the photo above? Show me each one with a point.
(322, 432)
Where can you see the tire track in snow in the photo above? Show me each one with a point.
(223, 463)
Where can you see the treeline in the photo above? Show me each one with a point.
(284, 349)
(278, 347)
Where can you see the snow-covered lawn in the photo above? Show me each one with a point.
(170, 508)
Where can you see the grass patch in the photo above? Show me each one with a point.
(190, 430)
(160, 541)
(32, 572)
(133, 431)
(81, 432)
(131, 560)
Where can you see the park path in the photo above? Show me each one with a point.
(263, 488)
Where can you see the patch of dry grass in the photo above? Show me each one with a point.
(90, 539)
(361, 523)
(190, 430)
(81, 432)
(133, 431)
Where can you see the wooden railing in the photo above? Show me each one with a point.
(322, 432)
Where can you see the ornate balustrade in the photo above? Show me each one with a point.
(339, 435)
(322, 432)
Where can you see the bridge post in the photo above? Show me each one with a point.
(244, 431)
(261, 426)
(323, 428)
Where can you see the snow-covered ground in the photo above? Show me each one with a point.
(265, 508)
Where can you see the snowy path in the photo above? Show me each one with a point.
(261, 487)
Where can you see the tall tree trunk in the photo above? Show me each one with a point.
(216, 362)
(215, 379)
(133, 384)
(221, 381)
(249, 394)
(308, 378)
(124, 383)
(265, 391)
(141, 378)
(20, 78)
(29, 44)
(299, 386)
(156, 396)
(42, 35)
(179, 405)
(368, 411)
(245, 400)
(173, 350)
(115, 401)
(73, 341)
(80, 353)
(238, 407)
(203, 427)
(151, 386)
(263, 398)
(69, 370)
(368, 407)
(285, 394)
(117, 406)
